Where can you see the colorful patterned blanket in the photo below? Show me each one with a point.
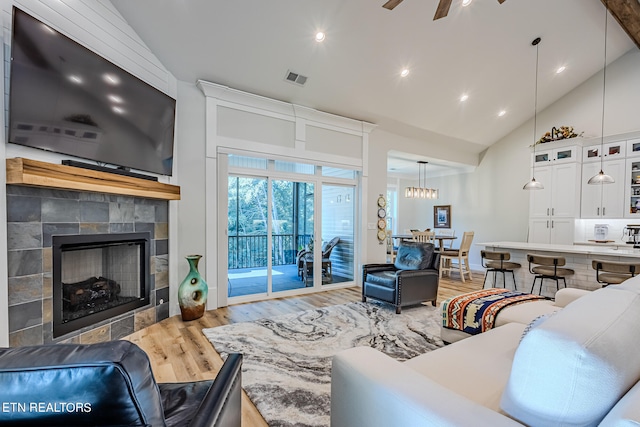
(476, 312)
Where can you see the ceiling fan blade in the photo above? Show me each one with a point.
(392, 3)
(443, 9)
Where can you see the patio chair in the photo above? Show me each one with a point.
(307, 262)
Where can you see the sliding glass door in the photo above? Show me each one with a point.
(290, 228)
(247, 234)
(338, 216)
(268, 249)
(292, 231)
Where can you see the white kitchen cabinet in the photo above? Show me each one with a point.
(633, 147)
(603, 200)
(552, 230)
(632, 188)
(565, 154)
(611, 150)
(560, 196)
(540, 200)
(553, 209)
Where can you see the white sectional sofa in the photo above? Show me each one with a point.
(578, 367)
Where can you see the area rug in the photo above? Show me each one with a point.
(287, 359)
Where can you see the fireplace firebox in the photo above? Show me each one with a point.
(97, 277)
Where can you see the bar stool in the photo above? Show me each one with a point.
(498, 262)
(548, 267)
(614, 272)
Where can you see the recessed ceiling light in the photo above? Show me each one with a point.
(320, 36)
(502, 113)
(111, 78)
(561, 69)
(404, 73)
(466, 2)
(115, 98)
(75, 79)
(464, 97)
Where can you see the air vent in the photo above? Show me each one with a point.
(296, 78)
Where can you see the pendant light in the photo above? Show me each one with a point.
(601, 177)
(533, 184)
(421, 192)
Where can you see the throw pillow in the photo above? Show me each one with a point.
(414, 256)
(574, 367)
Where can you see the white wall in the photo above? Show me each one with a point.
(380, 143)
(190, 229)
(100, 27)
(490, 201)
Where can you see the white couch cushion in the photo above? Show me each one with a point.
(573, 367)
(477, 367)
(525, 312)
(370, 389)
(626, 413)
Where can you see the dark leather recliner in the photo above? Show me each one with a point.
(109, 384)
(411, 280)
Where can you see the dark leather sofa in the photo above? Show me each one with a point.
(109, 384)
(411, 280)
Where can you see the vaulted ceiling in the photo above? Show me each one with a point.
(482, 50)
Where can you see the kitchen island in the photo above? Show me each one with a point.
(578, 258)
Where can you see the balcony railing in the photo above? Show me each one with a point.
(249, 251)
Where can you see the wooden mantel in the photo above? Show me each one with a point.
(22, 171)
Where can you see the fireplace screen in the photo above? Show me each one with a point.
(97, 277)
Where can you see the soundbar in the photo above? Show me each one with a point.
(118, 170)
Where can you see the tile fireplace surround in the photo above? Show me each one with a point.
(35, 214)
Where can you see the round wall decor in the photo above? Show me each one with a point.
(382, 223)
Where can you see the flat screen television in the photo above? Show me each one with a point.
(67, 99)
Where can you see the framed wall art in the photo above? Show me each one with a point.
(442, 216)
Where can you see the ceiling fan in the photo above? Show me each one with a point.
(441, 11)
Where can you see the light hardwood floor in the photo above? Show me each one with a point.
(179, 351)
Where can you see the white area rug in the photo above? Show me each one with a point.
(287, 359)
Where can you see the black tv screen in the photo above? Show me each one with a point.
(67, 99)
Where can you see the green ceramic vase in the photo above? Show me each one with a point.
(193, 291)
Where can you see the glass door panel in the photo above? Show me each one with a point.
(292, 231)
(338, 214)
(247, 236)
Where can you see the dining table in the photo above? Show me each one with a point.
(439, 237)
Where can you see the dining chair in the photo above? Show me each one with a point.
(391, 251)
(424, 236)
(449, 232)
(457, 259)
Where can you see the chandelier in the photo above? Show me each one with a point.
(421, 192)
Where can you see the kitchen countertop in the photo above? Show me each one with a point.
(586, 249)
(612, 243)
